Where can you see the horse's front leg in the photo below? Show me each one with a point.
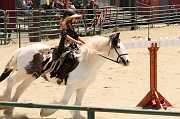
(79, 97)
(67, 95)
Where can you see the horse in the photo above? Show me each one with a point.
(26, 63)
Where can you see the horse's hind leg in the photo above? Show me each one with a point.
(11, 81)
(19, 90)
(67, 95)
(22, 87)
(14, 78)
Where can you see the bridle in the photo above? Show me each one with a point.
(119, 58)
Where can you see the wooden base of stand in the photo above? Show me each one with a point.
(154, 100)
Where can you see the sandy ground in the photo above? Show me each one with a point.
(116, 86)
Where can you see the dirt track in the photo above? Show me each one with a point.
(121, 86)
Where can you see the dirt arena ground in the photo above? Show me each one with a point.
(116, 86)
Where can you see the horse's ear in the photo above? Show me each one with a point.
(117, 35)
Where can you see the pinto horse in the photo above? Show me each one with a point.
(26, 63)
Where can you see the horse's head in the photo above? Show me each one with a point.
(117, 47)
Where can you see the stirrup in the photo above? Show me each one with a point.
(60, 81)
(53, 66)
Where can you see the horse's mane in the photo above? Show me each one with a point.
(92, 46)
(96, 41)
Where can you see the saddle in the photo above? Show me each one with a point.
(65, 64)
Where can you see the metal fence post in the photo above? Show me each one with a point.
(5, 26)
(101, 18)
(39, 20)
(123, 16)
(117, 12)
(152, 17)
(91, 114)
(19, 34)
(94, 24)
(136, 17)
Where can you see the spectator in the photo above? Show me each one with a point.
(58, 4)
(78, 5)
(2, 23)
(7, 31)
(27, 4)
(91, 11)
(70, 6)
(1, 19)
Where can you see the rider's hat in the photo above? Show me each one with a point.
(92, 0)
(70, 14)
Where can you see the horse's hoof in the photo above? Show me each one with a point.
(47, 112)
(8, 112)
(81, 117)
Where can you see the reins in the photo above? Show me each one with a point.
(116, 61)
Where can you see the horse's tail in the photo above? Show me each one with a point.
(10, 67)
(5, 74)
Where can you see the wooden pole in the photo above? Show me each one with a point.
(154, 99)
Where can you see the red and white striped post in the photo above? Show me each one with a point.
(154, 99)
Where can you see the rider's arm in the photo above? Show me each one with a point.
(76, 39)
(70, 40)
(81, 40)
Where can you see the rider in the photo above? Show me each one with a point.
(69, 41)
